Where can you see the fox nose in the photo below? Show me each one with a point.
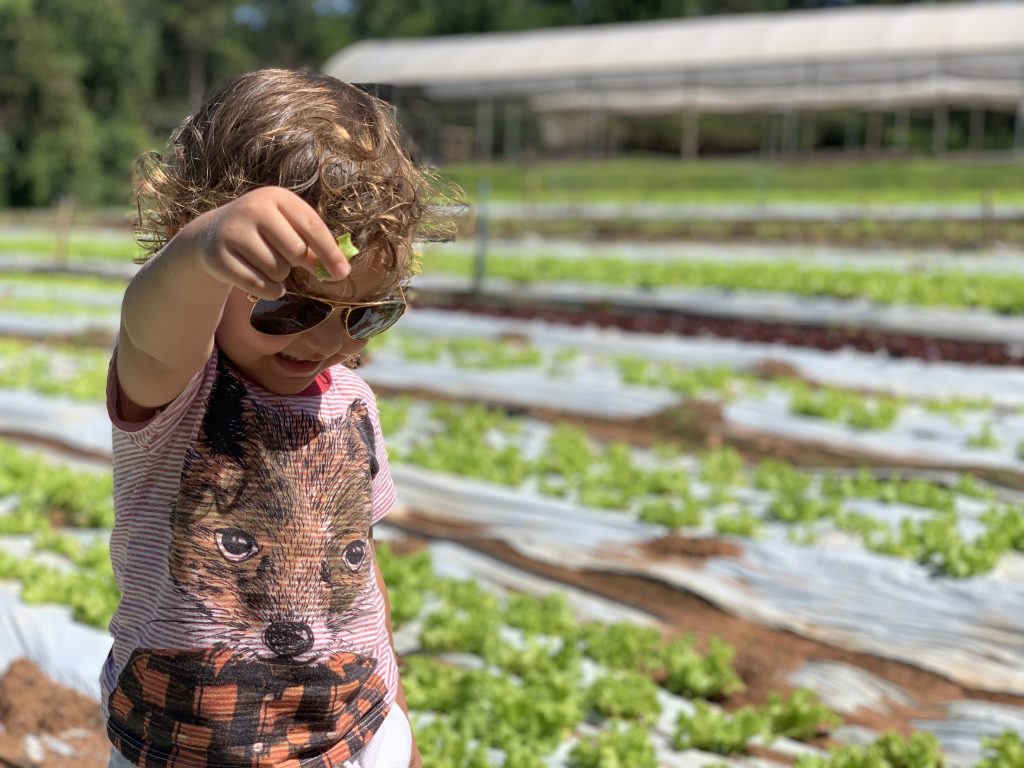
(288, 638)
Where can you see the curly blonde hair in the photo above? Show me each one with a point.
(333, 144)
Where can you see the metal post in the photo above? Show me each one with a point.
(775, 136)
(790, 131)
(873, 131)
(513, 131)
(597, 118)
(690, 145)
(902, 137)
(433, 133)
(940, 129)
(976, 136)
(851, 131)
(484, 129)
(483, 194)
(766, 138)
(1018, 127)
(809, 131)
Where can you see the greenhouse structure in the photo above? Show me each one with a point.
(883, 68)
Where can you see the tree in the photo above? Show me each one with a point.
(75, 82)
(294, 33)
(192, 34)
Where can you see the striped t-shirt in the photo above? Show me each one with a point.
(250, 630)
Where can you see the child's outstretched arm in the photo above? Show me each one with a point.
(173, 306)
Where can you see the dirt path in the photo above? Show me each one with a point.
(45, 724)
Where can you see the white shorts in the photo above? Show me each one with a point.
(391, 746)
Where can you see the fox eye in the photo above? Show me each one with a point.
(235, 544)
(354, 555)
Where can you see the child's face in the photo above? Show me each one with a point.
(286, 365)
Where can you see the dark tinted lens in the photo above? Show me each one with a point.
(364, 322)
(288, 315)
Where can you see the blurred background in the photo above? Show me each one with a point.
(708, 423)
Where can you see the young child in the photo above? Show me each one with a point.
(249, 468)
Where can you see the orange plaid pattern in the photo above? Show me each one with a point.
(207, 708)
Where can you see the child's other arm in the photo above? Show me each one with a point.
(174, 304)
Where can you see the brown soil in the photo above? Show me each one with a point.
(691, 549)
(33, 705)
(765, 657)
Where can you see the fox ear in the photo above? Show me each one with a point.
(223, 429)
(359, 418)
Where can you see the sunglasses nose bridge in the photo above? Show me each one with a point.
(324, 340)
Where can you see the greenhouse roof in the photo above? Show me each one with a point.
(862, 55)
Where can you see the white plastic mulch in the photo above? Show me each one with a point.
(815, 311)
(70, 653)
(967, 630)
(84, 427)
(917, 438)
(599, 396)
(46, 326)
(908, 377)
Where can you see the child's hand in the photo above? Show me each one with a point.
(253, 242)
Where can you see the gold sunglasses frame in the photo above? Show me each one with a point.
(334, 305)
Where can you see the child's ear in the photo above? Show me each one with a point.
(362, 430)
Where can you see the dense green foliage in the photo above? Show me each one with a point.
(85, 86)
(47, 492)
(890, 750)
(80, 374)
(621, 747)
(957, 289)
(76, 80)
(711, 181)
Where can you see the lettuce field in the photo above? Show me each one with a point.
(675, 504)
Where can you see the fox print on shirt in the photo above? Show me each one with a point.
(271, 548)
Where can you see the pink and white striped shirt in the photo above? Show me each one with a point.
(241, 533)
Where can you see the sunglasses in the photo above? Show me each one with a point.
(296, 313)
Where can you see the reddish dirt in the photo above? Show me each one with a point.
(649, 320)
(33, 705)
(691, 549)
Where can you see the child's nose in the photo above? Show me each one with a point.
(331, 337)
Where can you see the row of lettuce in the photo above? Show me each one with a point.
(511, 673)
(952, 288)
(477, 442)
(716, 491)
(80, 373)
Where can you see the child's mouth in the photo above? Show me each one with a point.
(295, 365)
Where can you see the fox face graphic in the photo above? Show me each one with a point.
(271, 532)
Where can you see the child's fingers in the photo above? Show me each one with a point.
(242, 274)
(318, 237)
(281, 239)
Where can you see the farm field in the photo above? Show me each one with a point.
(882, 181)
(614, 547)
